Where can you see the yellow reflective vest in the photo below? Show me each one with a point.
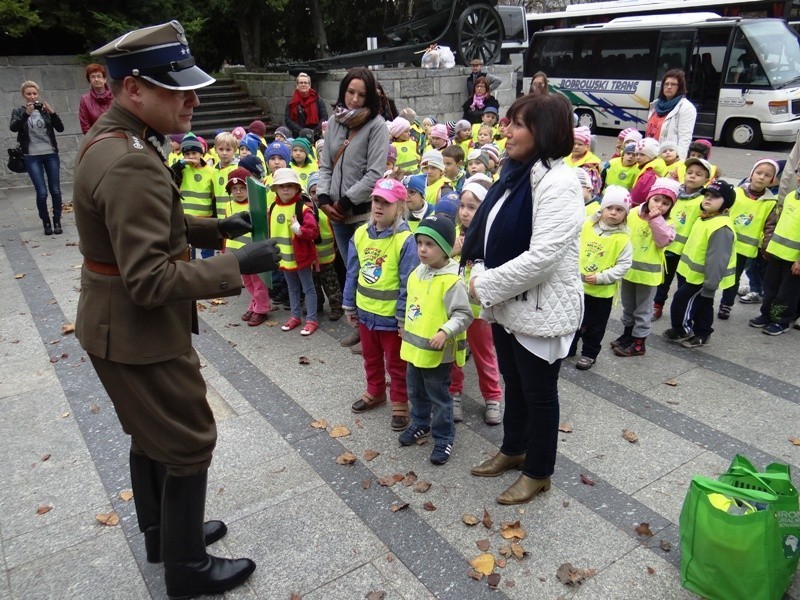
(599, 253)
(425, 314)
(692, 265)
(617, 174)
(432, 190)
(280, 222)
(785, 242)
(587, 159)
(303, 172)
(197, 191)
(749, 217)
(234, 208)
(682, 217)
(648, 258)
(221, 195)
(378, 284)
(326, 249)
(407, 157)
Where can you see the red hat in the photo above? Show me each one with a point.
(238, 175)
(258, 127)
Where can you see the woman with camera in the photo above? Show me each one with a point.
(35, 124)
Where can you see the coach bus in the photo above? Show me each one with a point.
(743, 75)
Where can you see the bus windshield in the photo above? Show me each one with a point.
(770, 54)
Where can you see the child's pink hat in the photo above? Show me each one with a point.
(665, 186)
(398, 127)
(390, 190)
(582, 134)
(439, 131)
(623, 135)
(616, 195)
(239, 133)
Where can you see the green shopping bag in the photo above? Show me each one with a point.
(777, 479)
(730, 556)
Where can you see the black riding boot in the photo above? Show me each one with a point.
(48, 228)
(189, 570)
(147, 480)
(57, 226)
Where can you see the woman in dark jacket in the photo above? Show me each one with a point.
(480, 99)
(35, 124)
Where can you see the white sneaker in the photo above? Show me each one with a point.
(492, 415)
(744, 288)
(751, 298)
(458, 412)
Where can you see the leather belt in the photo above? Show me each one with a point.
(112, 269)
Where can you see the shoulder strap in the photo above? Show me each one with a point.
(350, 135)
(102, 136)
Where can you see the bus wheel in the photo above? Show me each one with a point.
(743, 133)
(586, 119)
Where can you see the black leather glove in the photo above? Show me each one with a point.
(345, 204)
(258, 257)
(235, 226)
(324, 200)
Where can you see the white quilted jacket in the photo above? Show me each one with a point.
(539, 292)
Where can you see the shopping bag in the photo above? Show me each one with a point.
(16, 161)
(728, 556)
(775, 478)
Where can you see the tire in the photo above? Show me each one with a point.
(743, 133)
(479, 33)
(586, 119)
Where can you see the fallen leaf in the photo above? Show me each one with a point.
(512, 530)
(569, 575)
(429, 506)
(398, 477)
(674, 402)
(505, 550)
(487, 520)
(51, 342)
(470, 519)
(358, 424)
(643, 529)
(665, 545)
(53, 359)
(672, 382)
(398, 506)
(409, 479)
(501, 562)
(387, 481)
(366, 484)
(630, 436)
(340, 431)
(650, 570)
(108, 519)
(422, 486)
(483, 545)
(44, 509)
(295, 597)
(493, 580)
(270, 323)
(795, 441)
(517, 550)
(370, 455)
(67, 328)
(319, 424)
(221, 491)
(64, 355)
(65, 415)
(94, 409)
(390, 557)
(200, 307)
(232, 344)
(19, 275)
(483, 563)
(348, 458)
(565, 427)
(126, 495)
(218, 302)
(475, 574)
(303, 360)
(565, 504)
(375, 595)
(45, 457)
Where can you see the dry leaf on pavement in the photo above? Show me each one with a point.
(94, 409)
(398, 477)
(795, 441)
(475, 574)
(339, 431)
(19, 275)
(108, 519)
(630, 436)
(366, 484)
(665, 546)
(470, 519)
(387, 481)
(67, 328)
(517, 550)
(44, 509)
(409, 480)
(319, 424)
(493, 580)
(569, 575)
(370, 454)
(501, 562)
(671, 382)
(585, 480)
(483, 545)
(643, 529)
(218, 302)
(650, 570)
(483, 563)
(348, 458)
(422, 486)
(126, 495)
(429, 506)
(45, 458)
(398, 506)
(487, 520)
(512, 530)
(375, 595)
(565, 427)
(303, 360)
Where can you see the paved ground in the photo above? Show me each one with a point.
(308, 522)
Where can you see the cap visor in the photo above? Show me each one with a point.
(187, 79)
(385, 195)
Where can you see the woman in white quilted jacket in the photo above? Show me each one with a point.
(523, 249)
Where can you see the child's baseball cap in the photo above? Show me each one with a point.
(616, 195)
(279, 149)
(432, 158)
(492, 110)
(724, 190)
(440, 229)
(448, 205)
(190, 143)
(417, 183)
(237, 175)
(284, 175)
(665, 186)
(698, 161)
(390, 190)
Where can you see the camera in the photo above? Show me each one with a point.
(38, 105)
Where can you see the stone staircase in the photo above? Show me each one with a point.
(224, 106)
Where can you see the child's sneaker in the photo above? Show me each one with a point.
(412, 434)
(759, 321)
(291, 324)
(492, 415)
(751, 298)
(724, 312)
(458, 410)
(775, 329)
(671, 335)
(584, 363)
(743, 289)
(311, 327)
(695, 341)
(441, 453)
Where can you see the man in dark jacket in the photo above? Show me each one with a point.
(476, 64)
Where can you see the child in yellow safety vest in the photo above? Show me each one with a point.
(302, 162)
(381, 256)
(196, 184)
(453, 158)
(259, 306)
(407, 156)
(434, 336)
(754, 215)
(651, 167)
(668, 152)
(582, 156)
(225, 146)
(782, 278)
(418, 207)
(462, 136)
(432, 165)
(650, 235)
(605, 257)
(175, 149)
(325, 279)
(622, 170)
(295, 237)
(708, 263)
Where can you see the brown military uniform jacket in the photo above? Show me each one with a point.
(128, 213)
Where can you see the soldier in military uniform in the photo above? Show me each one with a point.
(136, 310)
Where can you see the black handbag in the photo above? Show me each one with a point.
(16, 160)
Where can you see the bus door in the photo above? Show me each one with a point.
(704, 77)
(676, 46)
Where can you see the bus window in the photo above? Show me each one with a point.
(777, 55)
(676, 47)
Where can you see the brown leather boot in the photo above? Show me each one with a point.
(499, 463)
(523, 490)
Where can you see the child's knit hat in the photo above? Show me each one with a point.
(239, 133)
(648, 147)
(724, 190)
(478, 184)
(277, 148)
(237, 175)
(448, 205)
(632, 136)
(409, 114)
(176, 137)
(582, 134)
(482, 157)
(440, 229)
(282, 176)
(398, 127)
(252, 163)
(313, 179)
(462, 125)
(258, 127)
(616, 195)
(304, 144)
(318, 145)
(667, 146)
(631, 147)
(764, 161)
(451, 128)
(417, 183)
(250, 142)
(284, 131)
(431, 118)
(493, 151)
(439, 131)
(624, 133)
(665, 186)
(432, 158)
(191, 143)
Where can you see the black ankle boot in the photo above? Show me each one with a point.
(189, 570)
(48, 228)
(147, 480)
(57, 227)
(623, 340)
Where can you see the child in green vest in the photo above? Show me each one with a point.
(651, 167)
(302, 162)
(650, 235)
(225, 146)
(407, 157)
(708, 263)
(668, 152)
(325, 279)
(196, 184)
(684, 214)
(622, 170)
(606, 256)
(434, 336)
(432, 165)
(477, 162)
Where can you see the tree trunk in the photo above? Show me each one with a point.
(250, 36)
(321, 49)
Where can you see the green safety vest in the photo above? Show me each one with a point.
(682, 217)
(785, 242)
(749, 217)
(425, 314)
(432, 190)
(599, 253)
(407, 157)
(326, 250)
(379, 272)
(304, 172)
(648, 259)
(280, 222)
(692, 265)
(616, 174)
(235, 208)
(222, 197)
(197, 191)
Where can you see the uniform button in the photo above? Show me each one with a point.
(224, 285)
